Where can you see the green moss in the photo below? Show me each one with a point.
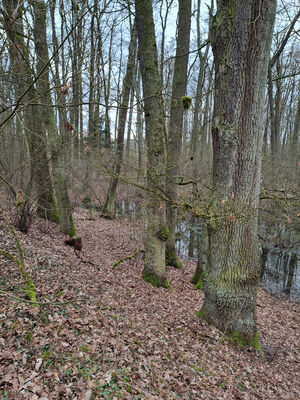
(244, 340)
(151, 277)
(86, 200)
(72, 230)
(29, 337)
(47, 355)
(84, 348)
(186, 102)
(199, 284)
(197, 279)
(232, 8)
(30, 292)
(54, 217)
(163, 233)
(59, 329)
(200, 313)
(171, 258)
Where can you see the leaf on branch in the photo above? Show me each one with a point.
(64, 89)
(288, 219)
(69, 126)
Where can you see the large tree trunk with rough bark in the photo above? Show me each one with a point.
(176, 123)
(241, 36)
(26, 93)
(157, 232)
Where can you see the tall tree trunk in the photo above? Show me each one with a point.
(157, 231)
(178, 106)
(127, 86)
(35, 136)
(48, 120)
(59, 142)
(296, 131)
(139, 129)
(241, 37)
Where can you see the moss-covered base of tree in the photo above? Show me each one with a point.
(51, 212)
(199, 284)
(72, 231)
(243, 340)
(151, 277)
(109, 206)
(171, 259)
(54, 216)
(200, 314)
(197, 280)
(237, 338)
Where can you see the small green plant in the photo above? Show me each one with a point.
(29, 337)
(69, 372)
(84, 348)
(47, 354)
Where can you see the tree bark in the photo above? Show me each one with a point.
(174, 146)
(36, 138)
(241, 36)
(157, 232)
(59, 141)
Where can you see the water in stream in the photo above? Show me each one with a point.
(280, 268)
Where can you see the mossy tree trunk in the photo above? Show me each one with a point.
(295, 141)
(197, 278)
(26, 93)
(157, 232)
(48, 120)
(174, 146)
(139, 129)
(127, 86)
(241, 37)
(59, 142)
(198, 133)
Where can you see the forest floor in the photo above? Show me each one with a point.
(106, 334)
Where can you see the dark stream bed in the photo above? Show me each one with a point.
(280, 267)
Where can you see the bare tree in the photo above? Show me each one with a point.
(157, 231)
(241, 37)
(179, 104)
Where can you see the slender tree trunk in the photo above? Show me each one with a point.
(241, 37)
(178, 106)
(139, 129)
(157, 231)
(127, 85)
(59, 143)
(296, 131)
